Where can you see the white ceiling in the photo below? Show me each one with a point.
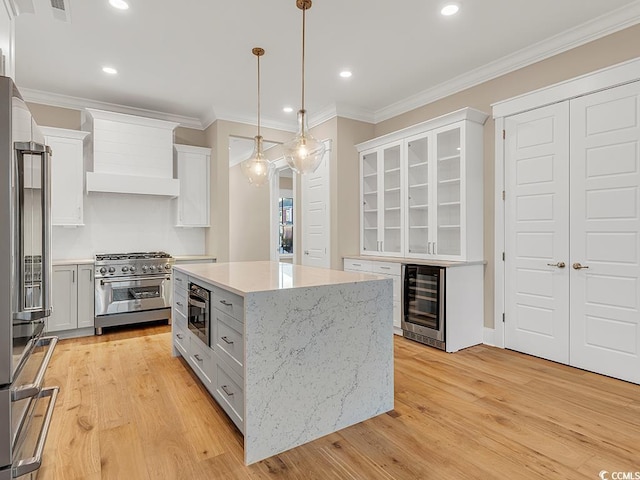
(192, 58)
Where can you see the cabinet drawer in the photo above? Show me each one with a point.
(229, 303)
(229, 341)
(386, 268)
(181, 341)
(180, 280)
(201, 360)
(180, 302)
(230, 393)
(357, 265)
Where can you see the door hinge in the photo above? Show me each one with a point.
(503, 317)
(504, 134)
(504, 194)
(503, 256)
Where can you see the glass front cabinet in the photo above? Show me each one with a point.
(421, 190)
(382, 213)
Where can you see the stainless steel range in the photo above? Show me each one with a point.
(132, 288)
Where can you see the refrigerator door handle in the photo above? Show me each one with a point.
(22, 149)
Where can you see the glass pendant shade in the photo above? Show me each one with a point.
(257, 169)
(303, 153)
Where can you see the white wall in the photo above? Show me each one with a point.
(117, 223)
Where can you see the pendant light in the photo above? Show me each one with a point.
(257, 168)
(303, 153)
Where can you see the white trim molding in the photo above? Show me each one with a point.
(78, 103)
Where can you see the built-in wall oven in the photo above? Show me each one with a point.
(423, 292)
(132, 288)
(199, 312)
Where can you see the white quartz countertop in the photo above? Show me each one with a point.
(249, 277)
(76, 261)
(192, 258)
(415, 261)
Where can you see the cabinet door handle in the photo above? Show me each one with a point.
(180, 336)
(180, 304)
(227, 341)
(226, 390)
(73, 276)
(356, 264)
(429, 248)
(226, 304)
(91, 275)
(178, 279)
(197, 357)
(385, 268)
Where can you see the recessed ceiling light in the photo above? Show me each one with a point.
(450, 9)
(119, 4)
(287, 109)
(109, 70)
(345, 74)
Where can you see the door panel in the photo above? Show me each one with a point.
(537, 232)
(315, 216)
(605, 226)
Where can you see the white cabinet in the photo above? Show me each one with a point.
(193, 167)
(421, 190)
(386, 269)
(7, 38)
(381, 187)
(67, 175)
(72, 297)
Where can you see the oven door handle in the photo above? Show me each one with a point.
(132, 279)
(196, 303)
(33, 389)
(32, 464)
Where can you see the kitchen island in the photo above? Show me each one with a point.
(293, 353)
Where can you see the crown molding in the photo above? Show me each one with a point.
(230, 116)
(602, 26)
(78, 103)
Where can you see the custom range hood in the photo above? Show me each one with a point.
(129, 154)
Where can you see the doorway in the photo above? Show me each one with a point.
(283, 214)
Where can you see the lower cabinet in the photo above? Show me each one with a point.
(220, 367)
(72, 297)
(392, 270)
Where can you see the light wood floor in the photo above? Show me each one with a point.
(128, 410)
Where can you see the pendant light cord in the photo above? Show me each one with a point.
(304, 11)
(258, 94)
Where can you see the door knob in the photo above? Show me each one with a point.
(578, 266)
(559, 264)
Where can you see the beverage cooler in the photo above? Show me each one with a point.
(423, 304)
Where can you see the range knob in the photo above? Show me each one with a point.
(112, 269)
(167, 267)
(152, 268)
(125, 269)
(103, 270)
(132, 269)
(145, 268)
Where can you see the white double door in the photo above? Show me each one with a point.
(572, 223)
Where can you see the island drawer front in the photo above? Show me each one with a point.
(181, 341)
(180, 280)
(180, 302)
(228, 341)
(201, 361)
(357, 265)
(230, 393)
(386, 268)
(229, 303)
(179, 319)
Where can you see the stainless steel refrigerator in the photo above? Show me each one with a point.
(26, 406)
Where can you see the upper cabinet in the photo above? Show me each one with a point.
(67, 175)
(421, 190)
(382, 187)
(193, 167)
(7, 38)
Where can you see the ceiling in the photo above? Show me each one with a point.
(191, 60)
